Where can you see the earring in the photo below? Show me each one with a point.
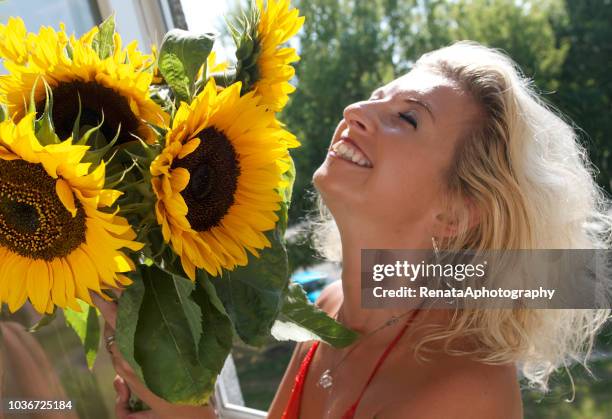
(435, 247)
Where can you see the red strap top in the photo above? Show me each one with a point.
(293, 407)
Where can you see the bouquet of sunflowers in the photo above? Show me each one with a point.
(166, 175)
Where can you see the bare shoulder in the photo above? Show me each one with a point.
(330, 298)
(462, 390)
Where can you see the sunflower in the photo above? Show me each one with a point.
(55, 242)
(112, 90)
(217, 180)
(14, 43)
(276, 25)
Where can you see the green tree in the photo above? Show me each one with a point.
(523, 30)
(585, 91)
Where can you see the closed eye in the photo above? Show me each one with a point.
(408, 117)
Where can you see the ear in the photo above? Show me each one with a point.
(449, 222)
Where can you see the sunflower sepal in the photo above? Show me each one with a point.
(31, 105)
(224, 79)
(244, 30)
(76, 127)
(181, 55)
(160, 133)
(44, 125)
(83, 139)
(44, 321)
(103, 42)
(158, 252)
(95, 155)
(141, 152)
(244, 35)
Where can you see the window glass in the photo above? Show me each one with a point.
(78, 15)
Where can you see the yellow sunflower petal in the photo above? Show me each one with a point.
(58, 291)
(66, 196)
(39, 285)
(18, 290)
(189, 148)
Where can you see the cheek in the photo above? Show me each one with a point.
(409, 183)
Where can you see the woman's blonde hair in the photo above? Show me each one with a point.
(523, 169)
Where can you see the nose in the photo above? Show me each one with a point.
(360, 118)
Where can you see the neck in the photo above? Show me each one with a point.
(351, 313)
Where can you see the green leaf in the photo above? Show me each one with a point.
(184, 288)
(288, 176)
(311, 322)
(205, 282)
(173, 72)
(87, 327)
(252, 294)
(252, 308)
(127, 321)
(217, 338)
(103, 41)
(165, 349)
(285, 192)
(180, 57)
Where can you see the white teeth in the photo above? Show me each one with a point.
(348, 152)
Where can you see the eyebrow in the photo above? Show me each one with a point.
(423, 104)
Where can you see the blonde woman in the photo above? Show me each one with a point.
(462, 153)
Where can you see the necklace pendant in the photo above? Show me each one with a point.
(326, 380)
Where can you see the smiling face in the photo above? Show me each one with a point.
(387, 164)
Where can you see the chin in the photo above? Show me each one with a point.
(328, 180)
(338, 191)
(322, 182)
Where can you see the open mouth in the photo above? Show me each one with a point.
(347, 150)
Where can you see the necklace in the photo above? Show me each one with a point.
(327, 380)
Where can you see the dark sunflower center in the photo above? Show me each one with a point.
(96, 101)
(33, 221)
(214, 169)
(23, 217)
